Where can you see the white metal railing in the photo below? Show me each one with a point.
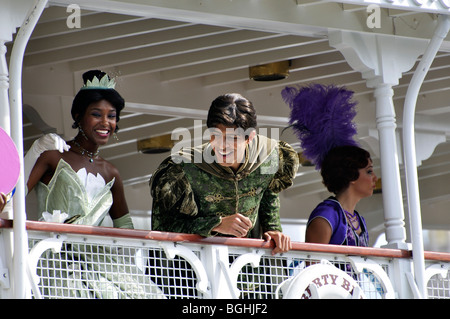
(68, 261)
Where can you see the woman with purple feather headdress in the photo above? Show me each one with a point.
(322, 118)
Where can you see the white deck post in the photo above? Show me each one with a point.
(410, 151)
(32, 14)
(12, 15)
(217, 265)
(390, 173)
(382, 60)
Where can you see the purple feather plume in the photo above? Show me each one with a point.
(322, 118)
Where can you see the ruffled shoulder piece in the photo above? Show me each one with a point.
(170, 175)
(288, 166)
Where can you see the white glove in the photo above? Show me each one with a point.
(47, 142)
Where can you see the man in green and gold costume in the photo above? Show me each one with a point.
(229, 186)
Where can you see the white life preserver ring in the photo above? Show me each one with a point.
(323, 281)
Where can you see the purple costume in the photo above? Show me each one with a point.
(342, 233)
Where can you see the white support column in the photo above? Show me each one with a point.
(32, 13)
(5, 123)
(412, 183)
(217, 268)
(382, 60)
(390, 173)
(12, 15)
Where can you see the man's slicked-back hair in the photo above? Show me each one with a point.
(230, 110)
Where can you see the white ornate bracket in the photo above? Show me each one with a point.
(233, 272)
(35, 253)
(173, 249)
(437, 269)
(359, 264)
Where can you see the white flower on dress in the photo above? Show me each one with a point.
(56, 217)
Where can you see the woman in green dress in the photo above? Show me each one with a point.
(96, 111)
(74, 180)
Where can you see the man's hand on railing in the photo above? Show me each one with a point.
(282, 241)
(237, 225)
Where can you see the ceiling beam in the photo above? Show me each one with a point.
(105, 33)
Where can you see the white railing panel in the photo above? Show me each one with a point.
(437, 276)
(68, 261)
(99, 267)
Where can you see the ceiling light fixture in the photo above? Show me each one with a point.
(270, 71)
(155, 145)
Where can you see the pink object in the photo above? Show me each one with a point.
(9, 163)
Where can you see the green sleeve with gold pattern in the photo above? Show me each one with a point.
(174, 208)
(269, 211)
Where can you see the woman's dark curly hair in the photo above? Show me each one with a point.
(232, 110)
(340, 167)
(86, 97)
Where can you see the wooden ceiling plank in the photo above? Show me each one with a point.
(327, 59)
(132, 46)
(246, 58)
(88, 22)
(114, 32)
